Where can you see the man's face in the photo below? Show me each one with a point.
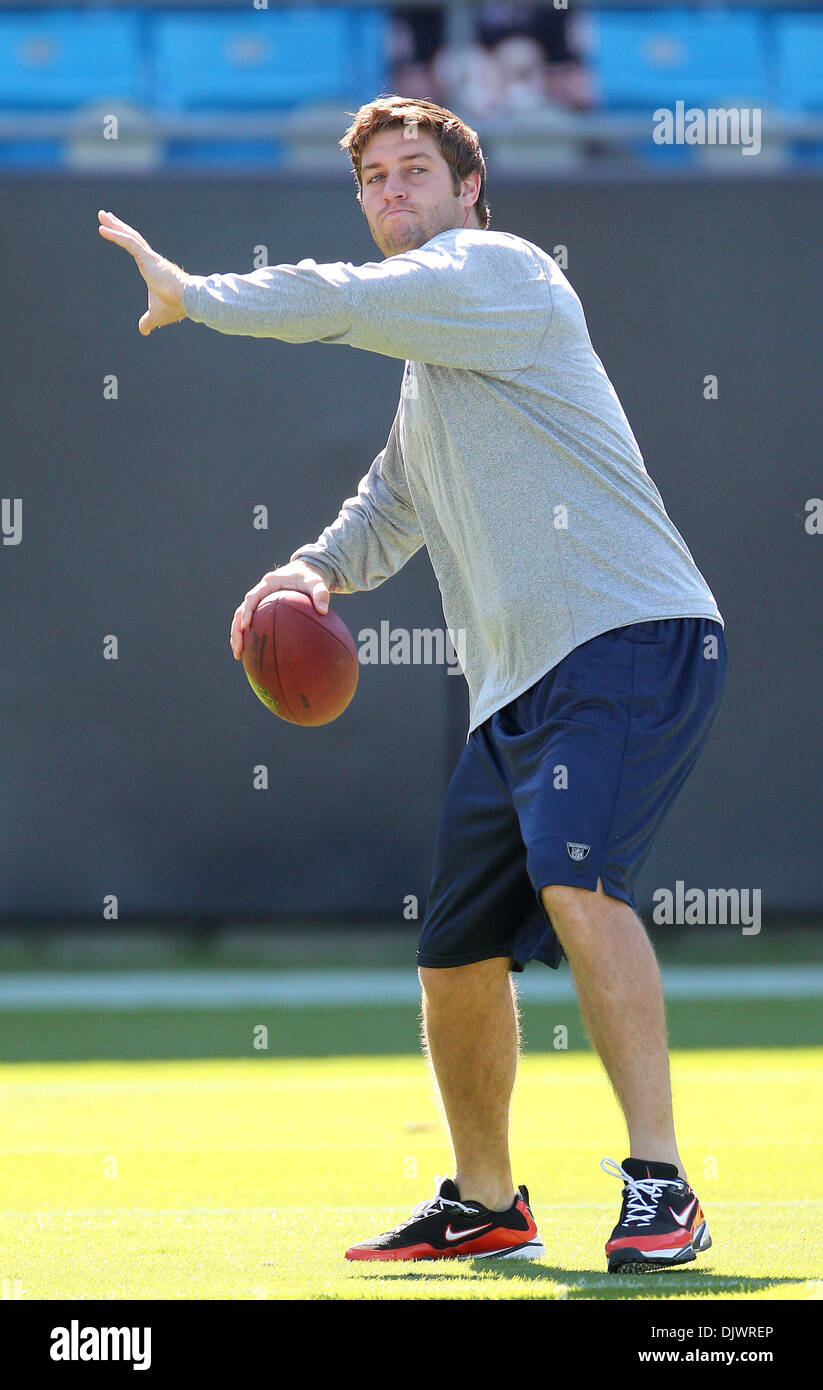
(408, 195)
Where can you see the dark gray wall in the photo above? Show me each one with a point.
(134, 777)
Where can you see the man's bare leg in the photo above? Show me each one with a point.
(471, 1037)
(620, 991)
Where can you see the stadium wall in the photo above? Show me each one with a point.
(139, 463)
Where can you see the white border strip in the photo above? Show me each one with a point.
(294, 989)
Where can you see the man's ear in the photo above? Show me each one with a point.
(468, 180)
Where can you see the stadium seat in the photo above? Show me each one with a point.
(41, 156)
(267, 58)
(223, 155)
(643, 60)
(798, 48)
(64, 59)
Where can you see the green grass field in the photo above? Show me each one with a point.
(245, 1177)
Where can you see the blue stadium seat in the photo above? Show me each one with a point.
(222, 156)
(31, 155)
(274, 57)
(369, 63)
(798, 47)
(64, 59)
(700, 57)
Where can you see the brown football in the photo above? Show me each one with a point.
(302, 664)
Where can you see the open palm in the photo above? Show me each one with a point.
(164, 280)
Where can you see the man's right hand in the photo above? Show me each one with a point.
(296, 575)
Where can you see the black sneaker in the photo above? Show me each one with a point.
(661, 1221)
(445, 1228)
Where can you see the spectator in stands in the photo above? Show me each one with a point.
(526, 56)
(418, 32)
(554, 33)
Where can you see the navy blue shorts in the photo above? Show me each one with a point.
(568, 783)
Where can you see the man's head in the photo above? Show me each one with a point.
(421, 158)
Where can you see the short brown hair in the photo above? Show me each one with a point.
(458, 143)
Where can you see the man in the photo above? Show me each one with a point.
(594, 651)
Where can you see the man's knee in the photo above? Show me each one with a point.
(453, 980)
(583, 918)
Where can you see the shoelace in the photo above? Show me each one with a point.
(643, 1193)
(435, 1204)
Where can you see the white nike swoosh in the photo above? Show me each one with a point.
(462, 1235)
(681, 1220)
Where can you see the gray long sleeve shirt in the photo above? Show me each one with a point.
(510, 456)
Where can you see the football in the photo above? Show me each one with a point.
(302, 664)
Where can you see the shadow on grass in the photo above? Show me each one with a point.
(594, 1283)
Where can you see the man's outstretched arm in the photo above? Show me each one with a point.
(462, 300)
(165, 280)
